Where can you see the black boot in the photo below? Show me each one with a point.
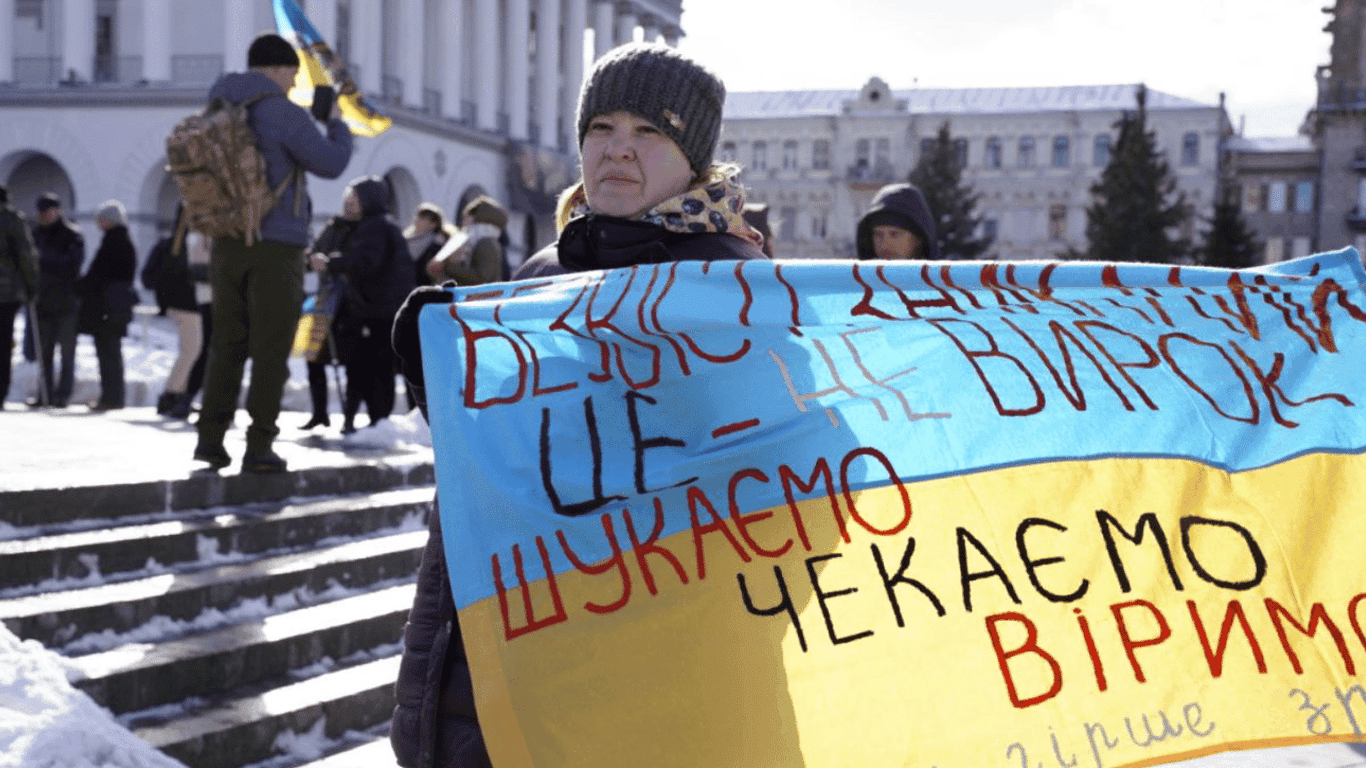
(165, 402)
(180, 406)
(318, 420)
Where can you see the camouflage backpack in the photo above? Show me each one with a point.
(220, 173)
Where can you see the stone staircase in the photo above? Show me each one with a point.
(229, 620)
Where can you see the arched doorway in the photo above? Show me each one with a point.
(31, 174)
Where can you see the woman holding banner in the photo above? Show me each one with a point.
(649, 119)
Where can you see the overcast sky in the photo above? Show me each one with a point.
(1261, 53)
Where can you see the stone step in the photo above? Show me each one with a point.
(56, 619)
(244, 530)
(56, 506)
(138, 676)
(245, 729)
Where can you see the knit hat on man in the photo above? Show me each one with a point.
(661, 85)
(271, 50)
(112, 212)
(48, 200)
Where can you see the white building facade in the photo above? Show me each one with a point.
(816, 158)
(482, 92)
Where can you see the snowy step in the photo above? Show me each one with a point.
(58, 618)
(376, 754)
(42, 560)
(253, 728)
(55, 506)
(142, 675)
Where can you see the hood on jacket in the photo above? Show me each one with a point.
(901, 205)
(373, 195)
(237, 87)
(486, 210)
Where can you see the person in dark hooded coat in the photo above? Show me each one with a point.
(898, 226)
(377, 272)
(650, 193)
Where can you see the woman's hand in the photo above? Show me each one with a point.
(317, 262)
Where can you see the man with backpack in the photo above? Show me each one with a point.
(257, 279)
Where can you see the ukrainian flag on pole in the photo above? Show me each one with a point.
(322, 67)
(897, 514)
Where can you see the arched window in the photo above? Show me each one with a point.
(1062, 152)
(992, 155)
(1100, 153)
(1190, 149)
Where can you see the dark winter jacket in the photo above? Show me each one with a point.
(480, 261)
(606, 242)
(167, 275)
(288, 140)
(435, 724)
(18, 258)
(374, 258)
(106, 290)
(900, 205)
(61, 252)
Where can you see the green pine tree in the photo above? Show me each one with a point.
(939, 175)
(1229, 242)
(1136, 212)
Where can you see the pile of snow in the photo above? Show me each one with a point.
(46, 723)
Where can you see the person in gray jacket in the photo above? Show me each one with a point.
(258, 288)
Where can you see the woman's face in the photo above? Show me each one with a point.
(630, 166)
(351, 205)
(422, 224)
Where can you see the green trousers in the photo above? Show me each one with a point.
(257, 293)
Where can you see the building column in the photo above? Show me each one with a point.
(626, 24)
(323, 14)
(367, 45)
(237, 34)
(7, 42)
(575, 25)
(548, 72)
(516, 68)
(451, 34)
(411, 52)
(650, 27)
(78, 39)
(604, 27)
(486, 58)
(156, 40)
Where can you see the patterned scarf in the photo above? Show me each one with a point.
(715, 207)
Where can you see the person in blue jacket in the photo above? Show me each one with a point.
(258, 289)
(650, 193)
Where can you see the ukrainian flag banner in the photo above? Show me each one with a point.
(887, 514)
(322, 67)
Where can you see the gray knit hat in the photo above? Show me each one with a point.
(663, 86)
(112, 212)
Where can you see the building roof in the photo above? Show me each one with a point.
(756, 104)
(1249, 145)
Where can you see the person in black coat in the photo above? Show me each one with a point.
(378, 272)
(650, 193)
(898, 226)
(61, 252)
(167, 274)
(107, 301)
(328, 244)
